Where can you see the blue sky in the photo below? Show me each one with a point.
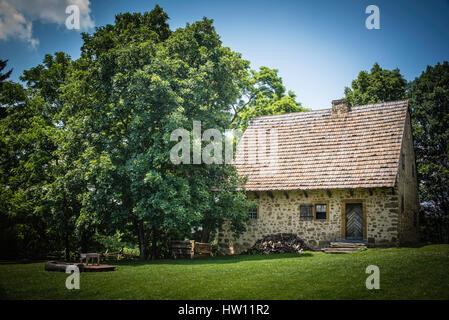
(318, 46)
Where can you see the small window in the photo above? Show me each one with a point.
(305, 212)
(320, 211)
(253, 214)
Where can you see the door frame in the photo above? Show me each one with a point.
(343, 216)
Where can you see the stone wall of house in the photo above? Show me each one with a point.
(279, 212)
(408, 224)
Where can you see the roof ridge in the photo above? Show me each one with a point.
(317, 111)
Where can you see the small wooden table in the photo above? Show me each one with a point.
(86, 256)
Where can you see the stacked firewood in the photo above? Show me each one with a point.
(277, 243)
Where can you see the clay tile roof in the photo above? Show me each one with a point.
(321, 150)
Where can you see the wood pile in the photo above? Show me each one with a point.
(183, 249)
(278, 243)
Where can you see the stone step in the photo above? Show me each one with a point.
(347, 244)
(339, 250)
(347, 248)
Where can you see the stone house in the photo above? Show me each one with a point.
(327, 175)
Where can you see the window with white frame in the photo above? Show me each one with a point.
(321, 211)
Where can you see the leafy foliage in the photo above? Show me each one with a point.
(3, 78)
(378, 85)
(429, 107)
(7, 74)
(137, 83)
(85, 146)
(29, 136)
(263, 93)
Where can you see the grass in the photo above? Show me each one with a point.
(405, 273)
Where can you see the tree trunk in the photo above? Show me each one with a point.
(440, 231)
(67, 247)
(205, 234)
(84, 246)
(154, 244)
(66, 225)
(141, 236)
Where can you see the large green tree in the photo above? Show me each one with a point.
(429, 107)
(61, 200)
(135, 83)
(378, 85)
(24, 146)
(41, 184)
(85, 146)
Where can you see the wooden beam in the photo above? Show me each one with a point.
(343, 219)
(364, 222)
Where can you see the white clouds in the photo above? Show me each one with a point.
(13, 24)
(16, 16)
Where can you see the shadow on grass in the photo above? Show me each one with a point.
(415, 245)
(23, 261)
(214, 260)
(3, 295)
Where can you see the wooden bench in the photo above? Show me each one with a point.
(189, 249)
(86, 256)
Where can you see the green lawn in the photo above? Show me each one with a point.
(405, 273)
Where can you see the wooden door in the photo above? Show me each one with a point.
(354, 221)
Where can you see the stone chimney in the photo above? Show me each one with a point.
(340, 106)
